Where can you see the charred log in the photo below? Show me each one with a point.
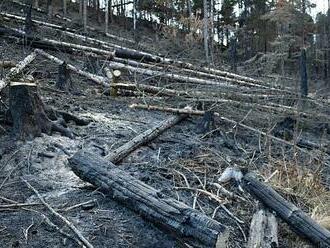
(300, 222)
(185, 223)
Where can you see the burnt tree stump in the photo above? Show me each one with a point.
(28, 113)
(64, 81)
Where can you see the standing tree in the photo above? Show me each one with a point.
(205, 32)
(106, 16)
(85, 15)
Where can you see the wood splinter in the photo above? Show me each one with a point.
(263, 230)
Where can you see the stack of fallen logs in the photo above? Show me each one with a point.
(188, 225)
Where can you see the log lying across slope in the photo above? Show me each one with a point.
(225, 119)
(295, 217)
(173, 76)
(125, 52)
(51, 44)
(185, 223)
(97, 79)
(17, 70)
(120, 153)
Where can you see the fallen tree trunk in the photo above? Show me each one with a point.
(72, 31)
(185, 223)
(51, 44)
(263, 230)
(120, 153)
(295, 217)
(187, 79)
(213, 97)
(199, 112)
(124, 52)
(160, 91)
(17, 70)
(140, 64)
(97, 79)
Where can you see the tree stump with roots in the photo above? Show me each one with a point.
(28, 113)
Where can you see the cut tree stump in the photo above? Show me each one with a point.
(95, 78)
(64, 81)
(186, 224)
(28, 113)
(263, 230)
(301, 223)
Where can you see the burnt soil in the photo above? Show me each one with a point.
(182, 150)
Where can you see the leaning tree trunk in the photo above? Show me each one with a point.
(28, 113)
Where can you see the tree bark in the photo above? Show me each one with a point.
(120, 153)
(301, 223)
(64, 6)
(205, 31)
(17, 70)
(263, 230)
(28, 113)
(85, 15)
(181, 78)
(97, 79)
(185, 223)
(106, 16)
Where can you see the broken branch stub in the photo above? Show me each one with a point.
(186, 224)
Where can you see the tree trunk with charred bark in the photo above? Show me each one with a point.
(295, 217)
(120, 153)
(186, 224)
(28, 113)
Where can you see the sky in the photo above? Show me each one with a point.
(321, 6)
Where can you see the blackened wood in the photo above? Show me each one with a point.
(300, 222)
(120, 153)
(28, 113)
(185, 223)
(28, 27)
(143, 57)
(64, 81)
(303, 74)
(206, 124)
